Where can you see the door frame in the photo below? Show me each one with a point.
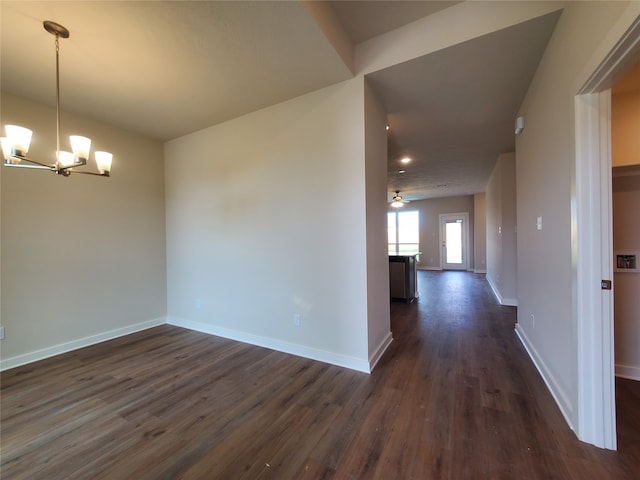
(465, 239)
(592, 245)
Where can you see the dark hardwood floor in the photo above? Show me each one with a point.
(454, 397)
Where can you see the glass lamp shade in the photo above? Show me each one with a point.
(103, 161)
(6, 150)
(20, 139)
(80, 146)
(396, 204)
(66, 159)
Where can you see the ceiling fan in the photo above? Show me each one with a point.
(397, 200)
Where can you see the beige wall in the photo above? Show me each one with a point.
(501, 230)
(378, 308)
(625, 137)
(266, 218)
(545, 176)
(480, 233)
(626, 238)
(430, 211)
(83, 257)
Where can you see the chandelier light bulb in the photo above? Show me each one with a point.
(80, 146)
(20, 139)
(65, 159)
(103, 161)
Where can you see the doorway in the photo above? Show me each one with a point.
(594, 267)
(454, 241)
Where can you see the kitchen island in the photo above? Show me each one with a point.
(403, 279)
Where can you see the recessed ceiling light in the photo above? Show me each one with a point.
(401, 171)
(387, 127)
(405, 160)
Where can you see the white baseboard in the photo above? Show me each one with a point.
(627, 371)
(346, 361)
(477, 270)
(23, 359)
(379, 351)
(558, 394)
(509, 302)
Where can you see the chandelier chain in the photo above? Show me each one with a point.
(57, 99)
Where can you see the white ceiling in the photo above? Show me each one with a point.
(363, 19)
(164, 69)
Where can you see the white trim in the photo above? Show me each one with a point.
(510, 302)
(379, 351)
(346, 361)
(559, 395)
(432, 269)
(465, 239)
(621, 58)
(23, 359)
(478, 270)
(592, 247)
(596, 420)
(627, 371)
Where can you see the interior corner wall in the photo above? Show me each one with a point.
(266, 221)
(501, 230)
(626, 239)
(480, 233)
(378, 307)
(545, 179)
(83, 257)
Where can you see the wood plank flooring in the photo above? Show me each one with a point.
(454, 397)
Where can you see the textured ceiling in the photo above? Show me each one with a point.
(167, 68)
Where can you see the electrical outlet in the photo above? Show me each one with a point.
(296, 319)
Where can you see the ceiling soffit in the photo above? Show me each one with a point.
(453, 110)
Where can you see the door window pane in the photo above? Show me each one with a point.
(453, 239)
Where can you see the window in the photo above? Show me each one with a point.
(403, 233)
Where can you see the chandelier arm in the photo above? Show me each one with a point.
(105, 174)
(38, 166)
(35, 163)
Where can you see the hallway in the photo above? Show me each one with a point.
(491, 411)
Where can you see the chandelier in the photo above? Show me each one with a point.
(15, 145)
